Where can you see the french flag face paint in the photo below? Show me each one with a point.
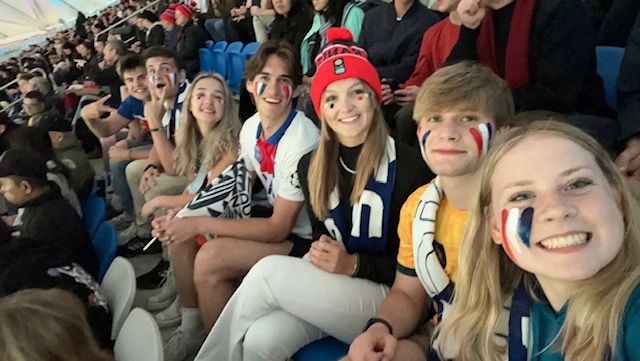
(171, 79)
(482, 136)
(516, 231)
(287, 92)
(423, 144)
(260, 88)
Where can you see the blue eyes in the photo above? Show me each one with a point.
(575, 185)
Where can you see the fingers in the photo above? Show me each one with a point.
(104, 99)
(627, 156)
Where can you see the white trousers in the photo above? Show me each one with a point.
(285, 303)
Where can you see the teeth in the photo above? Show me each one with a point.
(271, 100)
(350, 119)
(568, 241)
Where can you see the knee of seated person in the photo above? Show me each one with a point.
(265, 267)
(135, 169)
(209, 261)
(261, 343)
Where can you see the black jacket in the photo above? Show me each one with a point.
(392, 46)
(562, 60)
(190, 40)
(629, 86)
(155, 35)
(56, 230)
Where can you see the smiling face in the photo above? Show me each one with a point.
(207, 103)
(136, 82)
(577, 226)
(348, 109)
(452, 142)
(272, 89)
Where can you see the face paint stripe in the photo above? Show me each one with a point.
(505, 241)
(478, 139)
(288, 92)
(261, 88)
(512, 230)
(423, 144)
(486, 136)
(524, 226)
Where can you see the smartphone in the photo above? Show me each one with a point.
(392, 84)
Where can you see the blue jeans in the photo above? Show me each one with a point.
(215, 28)
(119, 181)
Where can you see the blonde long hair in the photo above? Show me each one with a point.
(194, 153)
(46, 325)
(323, 168)
(486, 276)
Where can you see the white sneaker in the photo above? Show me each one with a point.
(127, 234)
(165, 296)
(122, 221)
(171, 316)
(182, 345)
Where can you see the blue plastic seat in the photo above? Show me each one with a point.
(220, 62)
(609, 60)
(236, 46)
(236, 70)
(94, 211)
(325, 349)
(209, 44)
(220, 45)
(105, 243)
(206, 60)
(250, 49)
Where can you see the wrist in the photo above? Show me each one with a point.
(378, 324)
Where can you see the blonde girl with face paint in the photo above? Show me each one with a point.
(549, 263)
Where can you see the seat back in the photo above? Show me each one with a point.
(139, 339)
(236, 69)
(220, 45)
(206, 60)
(105, 244)
(327, 348)
(94, 211)
(119, 286)
(609, 60)
(235, 46)
(220, 62)
(250, 49)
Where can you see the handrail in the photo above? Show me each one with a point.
(127, 18)
(8, 84)
(12, 104)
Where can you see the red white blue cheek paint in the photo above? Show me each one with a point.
(423, 144)
(482, 136)
(171, 79)
(261, 87)
(287, 92)
(516, 231)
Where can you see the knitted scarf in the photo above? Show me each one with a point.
(370, 216)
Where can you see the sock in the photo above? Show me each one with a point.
(191, 320)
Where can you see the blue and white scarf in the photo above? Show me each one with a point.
(370, 216)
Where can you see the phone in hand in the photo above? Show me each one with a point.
(392, 84)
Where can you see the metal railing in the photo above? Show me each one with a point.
(128, 17)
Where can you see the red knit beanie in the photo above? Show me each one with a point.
(342, 59)
(186, 10)
(169, 15)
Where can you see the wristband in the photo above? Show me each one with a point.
(375, 320)
(150, 166)
(155, 129)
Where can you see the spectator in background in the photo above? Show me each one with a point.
(88, 60)
(239, 26)
(292, 22)
(168, 21)
(35, 106)
(629, 105)
(215, 25)
(262, 15)
(391, 35)
(150, 23)
(190, 40)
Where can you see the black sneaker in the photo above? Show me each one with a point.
(134, 247)
(154, 278)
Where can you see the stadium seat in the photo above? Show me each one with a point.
(206, 60)
(119, 287)
(105, 243)
(236, 69)
(139, 339)
(94, 211)
(220, 62)
(236, 46)
(609, 60)
(325, 349)
(220, 45)
(250, 49)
